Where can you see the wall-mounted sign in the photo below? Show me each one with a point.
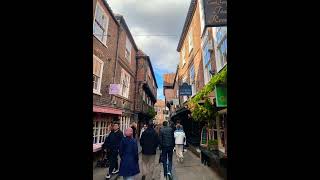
(185, 90)
(114, 89)
(215, 12)
(221, 95)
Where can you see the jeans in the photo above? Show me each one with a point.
(128, 177)
(113, 161)
(167, 159)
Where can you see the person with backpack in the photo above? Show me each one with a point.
(149, 142)
(129, 165)
(180, 141)
(112, 144)
(167, 143)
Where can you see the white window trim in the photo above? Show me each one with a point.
(98, 91)
(183, 53)
(104, 41)
(216, 44)
(190, 40)
(124, 73)
(98, 128)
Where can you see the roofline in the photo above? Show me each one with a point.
(110, 11)
(150, 65)
(123, 21)
(191, 11)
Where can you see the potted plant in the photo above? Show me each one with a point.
(213, 145)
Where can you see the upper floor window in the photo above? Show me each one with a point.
(190, 40)
(192, 80)
(128, 50)
(206, 55)
(183, 53)
(100, 24)
(97, 74)
(125, 83)
(221, 47)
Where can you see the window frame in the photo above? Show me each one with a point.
(100, 131)
(98, 90)
(190, 40)
(125, 77)
(128, 50)
(105, 32)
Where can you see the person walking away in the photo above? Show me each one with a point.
(129, 164)
(149, 142)
(133, 126)
(112, 144)
(180, 141)
(143, 129)
(167, 143)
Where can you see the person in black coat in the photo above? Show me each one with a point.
(149, 142)
(167, 143)
(112, 144)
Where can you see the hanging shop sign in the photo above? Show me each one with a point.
(221, 95)
(215, 12)
(185, 90)
(114, 89)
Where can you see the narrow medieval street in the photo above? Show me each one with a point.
(191, 169)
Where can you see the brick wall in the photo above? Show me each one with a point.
(195, 54)
(107, 54)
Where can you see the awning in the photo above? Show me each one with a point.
(108, 110)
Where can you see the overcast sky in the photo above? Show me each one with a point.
(155, 17)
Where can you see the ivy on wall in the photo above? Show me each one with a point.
(206, 111)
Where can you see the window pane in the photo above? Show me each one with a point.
(98, 31)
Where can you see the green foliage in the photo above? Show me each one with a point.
(151, 113)
(206, 111)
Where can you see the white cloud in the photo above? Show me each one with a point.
(155, 17)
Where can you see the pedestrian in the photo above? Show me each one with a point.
(149, 142)
(112, 143)
(133, 126)
(179, 124)
(166, 143)
(180, 141)
(143, 129)
(129, 165)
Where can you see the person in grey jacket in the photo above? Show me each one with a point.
(167, 142)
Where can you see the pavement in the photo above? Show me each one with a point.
(190, 169)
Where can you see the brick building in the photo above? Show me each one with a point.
(115, 74)
(160, 109)
(146, 88)
(105, 35)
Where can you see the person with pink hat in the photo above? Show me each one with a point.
(129, 164)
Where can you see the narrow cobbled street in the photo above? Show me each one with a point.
(190, 169)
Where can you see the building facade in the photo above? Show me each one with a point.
(105, 35)
(146, 89)
(161, 111)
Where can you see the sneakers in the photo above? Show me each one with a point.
(115, 171)
(108, 176)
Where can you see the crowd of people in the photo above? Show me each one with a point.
(168, 138)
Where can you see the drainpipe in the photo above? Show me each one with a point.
(116, 58)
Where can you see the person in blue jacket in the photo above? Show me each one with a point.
(129, 164)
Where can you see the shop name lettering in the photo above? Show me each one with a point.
(218, 10)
